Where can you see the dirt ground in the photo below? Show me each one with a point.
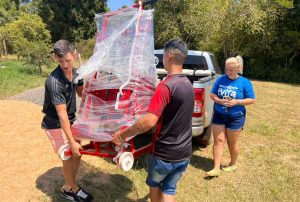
(28, 164)
(29, 169)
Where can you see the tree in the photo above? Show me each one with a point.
(292, 32)
(72, 20)
(250, 28)
(170, 21)
(8, 13)
(28, 38)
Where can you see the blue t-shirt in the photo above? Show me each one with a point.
(239, 88)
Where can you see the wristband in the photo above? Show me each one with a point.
(240, 101)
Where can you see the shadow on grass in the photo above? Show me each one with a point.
(103, 186)
(201, 162)
(139, 163)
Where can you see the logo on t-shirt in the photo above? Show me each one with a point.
(227, 91)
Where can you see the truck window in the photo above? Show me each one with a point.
(193, 62)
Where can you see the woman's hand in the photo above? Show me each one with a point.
(223, 102)
(231, 103)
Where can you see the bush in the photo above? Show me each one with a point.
(28, 38)
(36, 56)
(287, 74)
(85, 48)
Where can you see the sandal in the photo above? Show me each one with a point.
(213, 173)
(229, 168)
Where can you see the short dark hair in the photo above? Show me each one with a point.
(63, 47)
(178, 48)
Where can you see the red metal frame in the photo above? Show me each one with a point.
(106, 149)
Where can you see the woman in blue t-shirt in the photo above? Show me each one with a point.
(230, 93)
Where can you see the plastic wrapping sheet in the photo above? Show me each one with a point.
(120, 77)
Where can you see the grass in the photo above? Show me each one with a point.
(15, 78)
(269, 161)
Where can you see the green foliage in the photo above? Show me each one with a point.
(286, 3)
(85, 48)
(282, 56)
(8, 11)
(273, 72)
(72, 20)
(37, 56)
(30, 7)
(175, 19)
(265, 32)
(219, 26)
(28, 38)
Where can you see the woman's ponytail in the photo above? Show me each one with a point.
(241, 63)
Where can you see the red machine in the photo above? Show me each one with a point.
(111, 102)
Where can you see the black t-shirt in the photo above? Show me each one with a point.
(58, 90)
(173, 102)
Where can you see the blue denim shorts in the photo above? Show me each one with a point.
(165, 175)
(233, 121)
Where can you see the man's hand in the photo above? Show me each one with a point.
(117, 139)
(142, 125)
(75, 149)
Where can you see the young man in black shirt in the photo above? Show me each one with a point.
(59, 109)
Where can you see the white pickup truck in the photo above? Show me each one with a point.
(202, 70)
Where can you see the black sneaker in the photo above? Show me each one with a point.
(83, 195)
(69, 195)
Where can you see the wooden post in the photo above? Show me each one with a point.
(4, 47)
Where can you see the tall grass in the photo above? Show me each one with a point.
(15, 78)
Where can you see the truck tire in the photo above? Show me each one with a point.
(205, 138)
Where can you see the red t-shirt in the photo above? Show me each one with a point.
(160, 100)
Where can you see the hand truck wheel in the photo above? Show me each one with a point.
(64, 152)
(126, 161)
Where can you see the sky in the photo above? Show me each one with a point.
(116, 4)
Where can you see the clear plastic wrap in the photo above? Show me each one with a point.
(120, 77)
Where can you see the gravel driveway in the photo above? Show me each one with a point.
(36, 96)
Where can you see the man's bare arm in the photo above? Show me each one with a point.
(65, 125)
(142, 125)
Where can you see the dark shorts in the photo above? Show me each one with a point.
(233, 121)
(165, 175)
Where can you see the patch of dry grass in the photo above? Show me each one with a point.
(9, 57)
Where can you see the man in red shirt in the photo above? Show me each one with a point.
(170, 110)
